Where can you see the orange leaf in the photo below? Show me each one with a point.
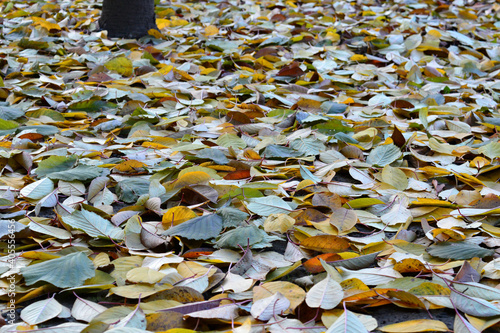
(326, 243)
(313, 265)
(195, 253)
(241, 174)
(35, 137)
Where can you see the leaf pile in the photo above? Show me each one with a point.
(256, 166)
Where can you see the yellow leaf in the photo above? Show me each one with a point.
(303, 184)
(38, 21)
(144, 275)
(446, 234)
(101, 260)
(136, 291)
(409, 266)
(177, 22)
(163, 23)
(153, 145)
(121, 65)
(251, 154)
(359, 57)
(192, 269)
(394, 177)
(264, 63)
(419, 325)
(165, 69)
(467, 15)
(434, 33)
(38, 255)
(155, 33)
(221, 168)
(479, 162)
(184, 75)
(291, 291)
(177, 215)
(192, 178)
(130, 166)
(211, 30)
(278, 222)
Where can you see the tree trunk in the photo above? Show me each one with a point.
(127, 18)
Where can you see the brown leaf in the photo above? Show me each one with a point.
(467, 274)
(292, 69)
(398, 138)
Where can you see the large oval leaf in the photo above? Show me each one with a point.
(325, 294)
(65, 272)
(93, 225)
(38, 189)
(473, 306)
(202, 227)
(383, 155)
(41, 311)
(266, 206)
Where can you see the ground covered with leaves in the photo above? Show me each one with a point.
(254, 166)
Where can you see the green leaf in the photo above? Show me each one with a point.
(213, 154)
(306, 174)
(129, 190)
(25, 43)
(333, 108)
(332, 126)
(222, 45)
(8, 125)
(42, 129)
(92, 106)
(423, 113)
(65, 272)
(491, 150)
(55, 164)
(232, 217)
(308, 146)
(81, 172)
(9, 113)
(121, 65)
(363, 203)
(276, 151)
(231, 140)
(46, 112)
(93, 225)
(384, 155)
(363, 261)
(241, 236)
(266, 206)
(458, 250)
(202, 227)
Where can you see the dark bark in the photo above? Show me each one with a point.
(127, 18)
